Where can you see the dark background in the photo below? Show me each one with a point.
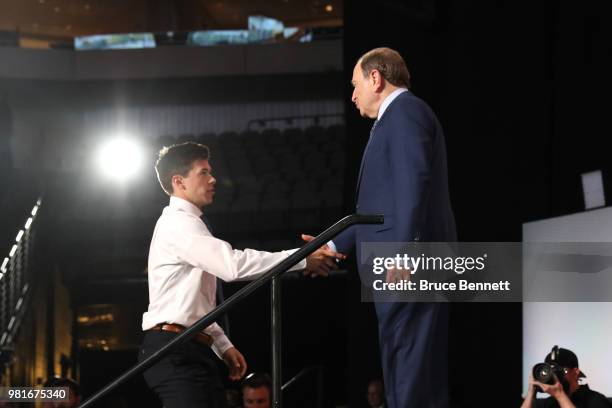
(521, 90)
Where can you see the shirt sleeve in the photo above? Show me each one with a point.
(196, 246)
(220, 341)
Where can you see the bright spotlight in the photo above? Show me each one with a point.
(120, 159)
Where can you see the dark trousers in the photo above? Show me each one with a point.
(187, 377)
(413, 346)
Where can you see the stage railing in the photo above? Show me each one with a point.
(15, 281)
(319, 371)
(238, 297)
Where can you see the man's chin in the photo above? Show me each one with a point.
(364, 114)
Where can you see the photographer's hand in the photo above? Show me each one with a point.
(557, 392)
(528, 401)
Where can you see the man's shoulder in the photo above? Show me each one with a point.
(409, 100)
(407, 106)
(594, 399)
(172, 219)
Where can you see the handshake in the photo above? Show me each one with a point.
(321, 261)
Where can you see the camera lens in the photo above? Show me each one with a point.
(543, 373)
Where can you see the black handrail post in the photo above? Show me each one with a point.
(224, 307)
(320, 386)
(276, 328)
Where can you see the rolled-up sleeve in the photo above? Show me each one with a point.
(220, 341)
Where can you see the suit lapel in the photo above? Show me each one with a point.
(372, 131)
(363, 158)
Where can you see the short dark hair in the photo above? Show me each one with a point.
(389, 63)
(178, 159)
(257, 380)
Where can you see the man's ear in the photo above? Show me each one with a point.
(177, 182)
(377, 80)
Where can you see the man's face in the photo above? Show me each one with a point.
(364, 97)
(198, 186)
(571, 376)
(256, 397)
(375, 394)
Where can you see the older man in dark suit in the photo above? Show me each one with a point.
(403, 175)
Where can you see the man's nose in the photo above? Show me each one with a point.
(213, 180)
(354, 97)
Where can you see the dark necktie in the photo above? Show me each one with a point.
(224, 322)
(373, 127)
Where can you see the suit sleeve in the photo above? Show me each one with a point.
(410, 152)
(345, 241)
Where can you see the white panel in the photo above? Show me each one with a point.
(593, 190)
(584, 328)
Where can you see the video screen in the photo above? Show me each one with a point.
(114, 41)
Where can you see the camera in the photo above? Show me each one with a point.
(547, 371)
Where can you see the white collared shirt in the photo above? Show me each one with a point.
(390, 98)
(184, 262)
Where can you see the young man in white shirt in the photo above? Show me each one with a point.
(185, 260)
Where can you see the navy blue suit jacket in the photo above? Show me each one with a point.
(403, 175)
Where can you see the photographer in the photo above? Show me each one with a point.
(565, 392)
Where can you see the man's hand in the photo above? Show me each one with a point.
(529, 398)
(235, 362)
(555, 390)
(321, 261)
(395, 275)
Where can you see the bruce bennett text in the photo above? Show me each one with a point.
(426, 286)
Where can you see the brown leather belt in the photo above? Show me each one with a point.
(177, 328)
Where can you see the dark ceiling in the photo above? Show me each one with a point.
(70, 18)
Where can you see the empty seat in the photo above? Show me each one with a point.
(264, 164)
(277, 186)
(306, 185)
(240, 167)
(314, 161)
(248, 202)
(305, 200)
(272, 137)
(336, 133)
(315, 131)
(249, 184)
(293, 134)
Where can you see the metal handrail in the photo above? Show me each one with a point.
(15, 280)
(238, 297)
(319, 370)
(299, 376)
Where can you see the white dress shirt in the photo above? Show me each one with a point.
(184, 262)
(390, 98)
